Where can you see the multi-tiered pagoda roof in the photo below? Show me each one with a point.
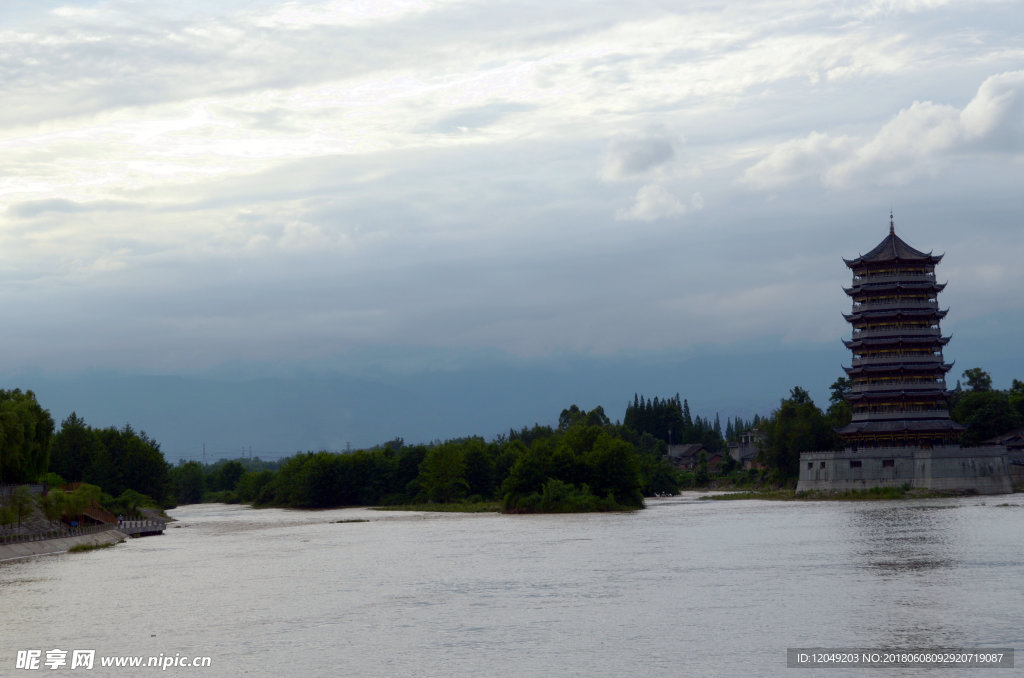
(899, 395)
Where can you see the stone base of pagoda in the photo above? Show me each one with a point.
(984, 470)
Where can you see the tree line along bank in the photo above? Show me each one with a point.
(584, 463)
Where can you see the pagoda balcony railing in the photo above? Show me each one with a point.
(898, 386)
(894, 277)
(898, 332)
(897, 360)
(897, 304)
(903, 414)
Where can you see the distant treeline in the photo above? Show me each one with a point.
(586, 462)
(670, 420)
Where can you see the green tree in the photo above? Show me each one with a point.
(443, 473)
(978, 379)
(129, 502)
(1016, 396)
(728, 465)
(986, 414)
(227, 475)
(612, 469)
(702, 476)
(134, 462)
(797, 426)
(22, 502)
(479, 469)
(188, 482)
(252, 485)
(84, 496)
(839, 390)
(73, 449)
(7, 515)
(839, 411)
(52, 505)
(26, 430)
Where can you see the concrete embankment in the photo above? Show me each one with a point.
(51, 546)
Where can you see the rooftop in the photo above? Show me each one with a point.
(891, 249)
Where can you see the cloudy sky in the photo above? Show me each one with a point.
(371, 190)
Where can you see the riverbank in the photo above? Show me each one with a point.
(48, 547)
(869, 494)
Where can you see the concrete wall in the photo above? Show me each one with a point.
(51, 546)
(977, 469)
(1017, 474)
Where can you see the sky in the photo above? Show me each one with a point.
(295, 225)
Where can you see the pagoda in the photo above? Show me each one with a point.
(900, 433)
(898, 395)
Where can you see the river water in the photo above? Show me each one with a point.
(687, 587)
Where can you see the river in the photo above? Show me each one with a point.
(687, 587)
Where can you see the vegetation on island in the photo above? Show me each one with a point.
(586, 463)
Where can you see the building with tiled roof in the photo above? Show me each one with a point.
(898, 375)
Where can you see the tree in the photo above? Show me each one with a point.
(702, 468)
(839, 411)
(22, 502)
(728, 465)
(1016, 396)
(978, 379)
(443, 473)
(797, 426)
(132, 461)
(611, 467)
(52, 505)
(986, 414)
(26, 430)
(799, 396)
(7, 515)
(839, 390)
(570, 416)
(226, 477)
(73, 448)
(479, 469)
(188, 482)
(129, 502)
(251, 485)
(84, 496)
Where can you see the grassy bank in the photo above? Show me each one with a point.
(870, 494)
(82, 548)
(453, 507)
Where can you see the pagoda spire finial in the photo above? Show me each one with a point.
(892, 226)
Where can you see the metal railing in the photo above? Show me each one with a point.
(896, 360)
(897, 331)
(54, 533)
(899, 386)
(908, 304)
(140, 526)
(128, 527)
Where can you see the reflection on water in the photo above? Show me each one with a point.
(893, 539)
(686, 587)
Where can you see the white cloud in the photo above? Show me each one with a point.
(796, 160)
(434, 170)
(918, 141)
(995, 116)
(906, 147)
(300, 15)
(654, 202)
